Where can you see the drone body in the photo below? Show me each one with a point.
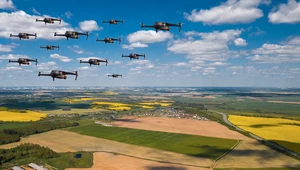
(115, 75)
(94, 61)
(162, 26)
(113, 21)
(110, 40)
(59, 74)
(72, 34)
(24, 61)
(135, 56)
(48, 20)
(50, 47)
(23, 35)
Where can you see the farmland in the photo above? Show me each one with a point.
(199, 146)
(21, 116)
(273, 129)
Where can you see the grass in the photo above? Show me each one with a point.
(67, 160)
(283, 131)
(25, 116)
(199, 146)
(12, 125)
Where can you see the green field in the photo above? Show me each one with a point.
(12, 125)
(193, 145)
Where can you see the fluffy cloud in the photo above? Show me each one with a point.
(140, 39)
(274, 54)
(68, 14)
(210, 46)
(240, 42)
(294, 41)
(209, 70)
(12, 56)
(230, 12)
(61, 58)
(286, 13)
(6, 4)
(47, 66)
(138, 62)
(18, 21)
(89, 25)
(7, 48)
(134, 45)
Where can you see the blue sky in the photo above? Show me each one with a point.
(222, 43)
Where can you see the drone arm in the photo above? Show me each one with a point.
(55, 34)
(83, 61)
(40, 74)
(13, 61)
(39, 20)
(99, 40)
(120, 21)
(11, 35)
(175, 25)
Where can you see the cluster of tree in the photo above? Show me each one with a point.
(25, 151)
(190, 105)
(14, 134)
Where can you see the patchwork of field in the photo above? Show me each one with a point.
(74, 111)
(155, 103)
(199, 146)
(283, 131)
(21, 116)
(108, 161)
(184, 126)
(275, 101)
(64, 141)
(123, 106)
(252, 154)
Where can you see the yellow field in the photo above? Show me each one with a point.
(110, 93)
(21, 117)
(155, 103)
(114, 105)
(276, 129)
(147, 107)
(88, 98)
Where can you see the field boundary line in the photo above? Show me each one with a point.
(215, 162)
(153, 160)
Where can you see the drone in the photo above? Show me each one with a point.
(162, 26)
(94, 61)
(135, 56)
(72, 34)
(113, 21)
(25, 61)
(50, 47)
(48, 20)
(115, 75)
(110, 40)
(23, 35)
(59, 74)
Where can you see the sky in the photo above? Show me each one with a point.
(222, 43)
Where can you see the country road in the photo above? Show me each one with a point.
(269, 143)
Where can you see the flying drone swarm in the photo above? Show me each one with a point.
(94, 61)
(48, 20)
(23, 35)
(113, 21)
(59, 74)
(72, 34)
(162, 26)
(50, 47)
(110, 40)
(115, 75)
(24, 61)
(135, 56)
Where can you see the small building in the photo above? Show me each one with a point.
(36, 167)
(17, 168)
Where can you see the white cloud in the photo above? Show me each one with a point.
(138, 62)
(11, 68)
(7, 48)
(218, 64)
(149, 36)
(68, 14)
(6, 4)
(286, 13)
(19, 21)
(135, 69)
(211, 46)
(35, 11)
(181, 64)
(12, 56)
(134, 45)
(84, 68)
(240, 42)
(209, 70)
(61, 58)
(89, 25)
(274, 53)
(294, 41)
(47, 66)
(230, 12)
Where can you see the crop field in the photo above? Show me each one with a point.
(11, 125)
(199, 146)
(113, 105)
(74, 111)
(25, 116)
(156, 103)
(282, 131)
